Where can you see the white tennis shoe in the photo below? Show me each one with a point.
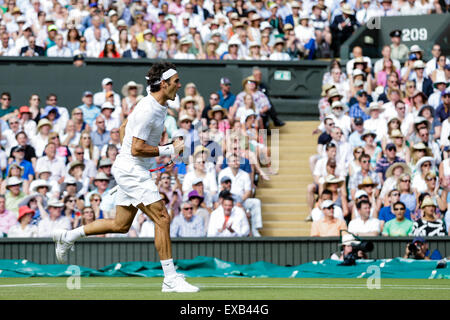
(62, 246)
(178, 284)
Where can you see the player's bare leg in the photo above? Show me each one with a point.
(120, 224)
(173, 281)
(158, 214)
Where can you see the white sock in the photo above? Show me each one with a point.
(75, 234)
(168, 268)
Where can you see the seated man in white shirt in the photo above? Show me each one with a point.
(317, 213)
(54, 220)
(364, 225)
(59, 50)
(241, 185)
(55, 164)
(228, 220)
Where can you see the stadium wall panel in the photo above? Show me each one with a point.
(295, 87)
(423, 30)
(99, 252)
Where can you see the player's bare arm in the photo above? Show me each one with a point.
(122, 130)
(139, 148)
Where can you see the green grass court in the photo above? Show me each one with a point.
(140, 288)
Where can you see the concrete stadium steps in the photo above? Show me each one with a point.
(284, 207)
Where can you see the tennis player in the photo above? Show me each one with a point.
(141, 133)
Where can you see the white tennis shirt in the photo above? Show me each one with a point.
(146, 122)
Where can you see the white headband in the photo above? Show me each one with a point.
(166, 75)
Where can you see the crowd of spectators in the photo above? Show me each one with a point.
(56, 165)
(383, 153)
(195, 29)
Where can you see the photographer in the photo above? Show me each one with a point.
(418, 250)
(348, 244)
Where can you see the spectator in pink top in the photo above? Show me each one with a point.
(7, 218)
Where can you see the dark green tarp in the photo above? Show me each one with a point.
(213, 267)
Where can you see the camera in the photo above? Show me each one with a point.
(414, 248)
(412, 56)
(350, 259)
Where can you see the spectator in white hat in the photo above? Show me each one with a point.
(111, 121)
(348, 241)
(279, 52)
(101, 182)
(233, 52)
(148, 46)
(328, 226)
(54, 220)
(14, 194)
(317, 213)
(183, 50)
(440, 84)
(107, 86)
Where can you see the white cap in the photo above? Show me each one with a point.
(106, 81)
(327, 204)
(360, 193)
(247, 113)
(108, 105)
(55, 203)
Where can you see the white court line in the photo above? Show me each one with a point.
(237, 286)
(25, 285)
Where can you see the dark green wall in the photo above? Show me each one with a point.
(97, 252)
(424, 30)
(297, 96)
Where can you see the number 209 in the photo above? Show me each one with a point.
(414, 34)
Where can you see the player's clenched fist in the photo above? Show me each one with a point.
(178, 146)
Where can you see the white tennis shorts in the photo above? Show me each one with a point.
(135, 186)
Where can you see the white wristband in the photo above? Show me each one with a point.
(167, 150)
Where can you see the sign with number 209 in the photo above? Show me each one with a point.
(414, 34)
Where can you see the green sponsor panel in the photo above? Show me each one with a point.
(212, 267)
(287, 81)
(97, 253)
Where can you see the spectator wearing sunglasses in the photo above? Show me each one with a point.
(6, 109)
(387, 160)
(187, 224)
(400, 225)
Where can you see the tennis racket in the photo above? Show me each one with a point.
(164, 165)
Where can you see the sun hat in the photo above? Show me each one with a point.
(13, 181)
(24, 210)
(367, 181)
(217, 108)
(126, 87)
(392, 167)
(348, 239)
